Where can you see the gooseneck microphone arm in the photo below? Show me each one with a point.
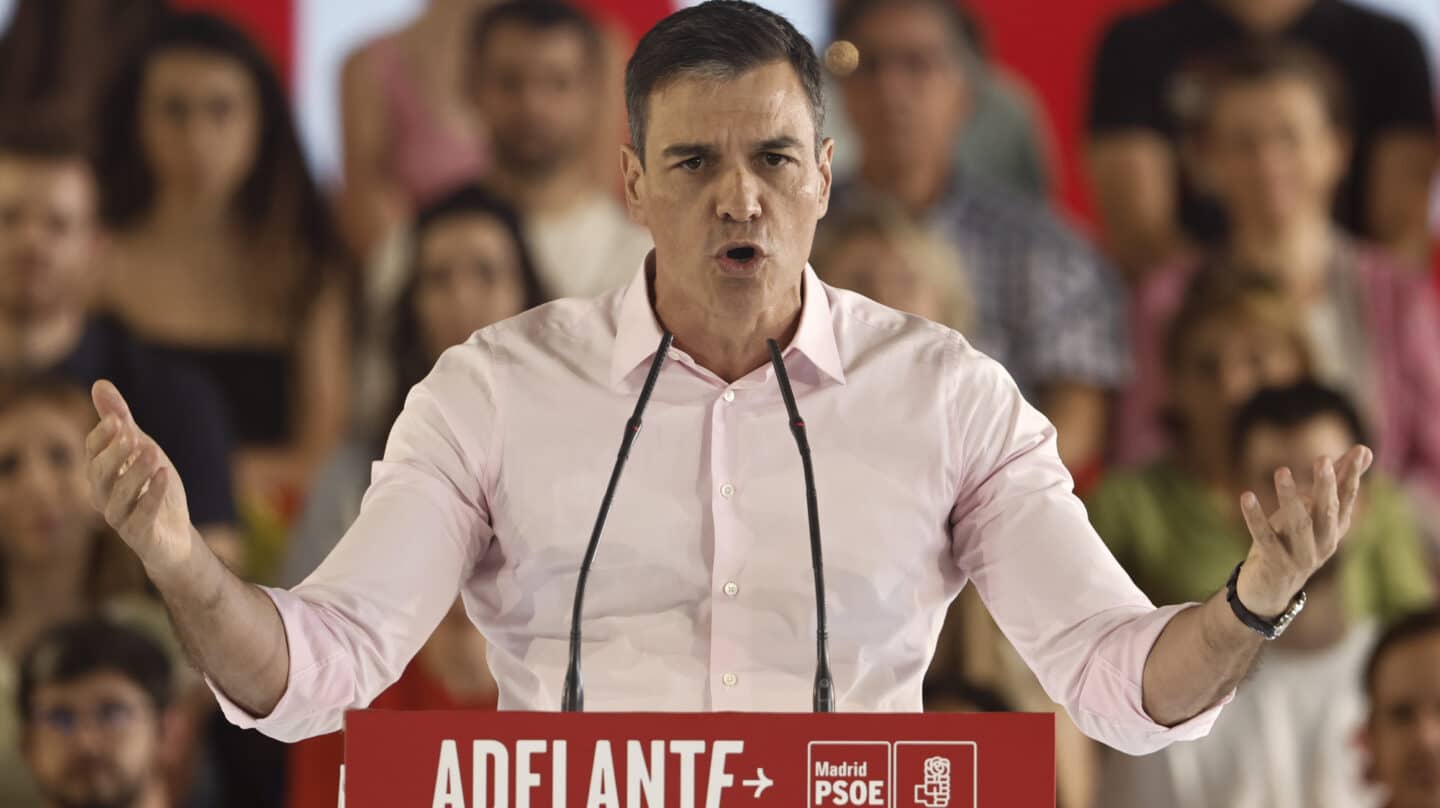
(573, 699)
(824, 685)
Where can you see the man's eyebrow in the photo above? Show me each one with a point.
(779, 143)
(688, 150)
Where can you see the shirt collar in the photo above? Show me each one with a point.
(637, 331)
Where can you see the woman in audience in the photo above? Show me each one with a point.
(222, 250)
(1270, 144)
(410, 130)
(59, 562)
(880, 251)
(471, 268)
(1175, 524)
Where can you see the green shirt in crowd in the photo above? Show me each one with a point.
(1175, 539)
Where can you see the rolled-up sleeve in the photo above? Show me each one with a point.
(354, 624)
(1022, 537)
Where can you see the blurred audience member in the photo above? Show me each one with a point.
(538, 74)
(877, 249)
(410, 133)
(1006, 140)
(58, 561)
(95, 702)
(472, 268)
(56, 56)
(222, 249)
(1402, 734)
(1269, 143)
(1046, 307)
(1141, 102)
(1175, 524)
(48, 276)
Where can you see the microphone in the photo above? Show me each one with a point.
(824, 686)
(573, 699)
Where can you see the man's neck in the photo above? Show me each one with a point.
(29, 345)
(729, 346)
(1296, 254)
(1264, 16)
(915, 184)
(555, 191)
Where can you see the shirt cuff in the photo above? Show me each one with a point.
(1136, 733)
(310, 670)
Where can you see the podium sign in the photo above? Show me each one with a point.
(457, 759)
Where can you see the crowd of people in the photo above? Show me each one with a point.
(1255, 296)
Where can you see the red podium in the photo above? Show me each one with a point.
(459, 759)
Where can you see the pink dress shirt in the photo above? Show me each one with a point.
(931, 471)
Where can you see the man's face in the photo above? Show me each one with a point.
(731, 188)
(1403, 734)
(47, 235)
(908, 97)
(535, 92)
(92, 742)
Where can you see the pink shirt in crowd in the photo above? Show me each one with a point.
(1399, 327)
(931, 470)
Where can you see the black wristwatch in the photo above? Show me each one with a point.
(1263, 627)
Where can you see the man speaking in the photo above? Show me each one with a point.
(930, 468)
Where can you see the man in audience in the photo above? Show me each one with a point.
(1287, 738)
(537, 78)
(48, 245)
(1141, 93)
(95, 702)
(1046, 307)
(1402, 735)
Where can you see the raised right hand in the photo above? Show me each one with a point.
(135, 486)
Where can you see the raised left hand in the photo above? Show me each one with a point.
(1289, 545)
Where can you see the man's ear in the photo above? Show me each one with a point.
(633, 170)
(827, 178)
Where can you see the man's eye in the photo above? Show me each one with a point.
(693, 164)
(775, 160)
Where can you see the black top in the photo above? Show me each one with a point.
(1379, 58)
(173, 403)
(255, 385)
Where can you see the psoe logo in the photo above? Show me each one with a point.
(936, 774)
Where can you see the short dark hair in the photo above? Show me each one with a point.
(723, 39)
(1410, 627)
(964, 28)
(541, 15)
(1254, 61)
(1290, 407)
(45, 142)
(89, 646)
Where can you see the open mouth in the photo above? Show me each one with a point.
(740, 258)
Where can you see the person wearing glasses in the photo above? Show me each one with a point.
(95, 700)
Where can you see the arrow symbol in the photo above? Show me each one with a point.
(760, 783)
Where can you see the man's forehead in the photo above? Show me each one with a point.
(762, 103)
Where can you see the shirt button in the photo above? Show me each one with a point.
(727, 490)
(673, 354)
(731, 588)
(730, 679)
(729, 395)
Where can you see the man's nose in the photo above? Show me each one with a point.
(739, 199)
